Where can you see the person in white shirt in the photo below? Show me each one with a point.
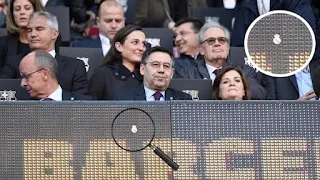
(248, 10)
(110, 20)
(38, 71)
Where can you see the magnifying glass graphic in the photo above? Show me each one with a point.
(136, 125)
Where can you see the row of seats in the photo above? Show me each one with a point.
(93, 56)
(199, 89)
(224, 16)
(155, 36)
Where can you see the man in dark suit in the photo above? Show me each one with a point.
(38, 71)
(214, 40)
(301, 86)
(42, 34)
(248, 10)
(187, 43)
(110, 20)
(157, 70)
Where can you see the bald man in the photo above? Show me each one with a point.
(38, 71)
(110, 20)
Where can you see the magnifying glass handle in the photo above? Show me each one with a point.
(165, 158)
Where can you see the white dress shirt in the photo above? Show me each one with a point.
(229, 4)
(211, 69)
(105, 44)
(53, 53)
(44, 2)
(195, 56)
(150, 92)
(263, 6)
(57, 94)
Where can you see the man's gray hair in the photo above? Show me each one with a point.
(45, 60)
(209, 25)
(51, 19)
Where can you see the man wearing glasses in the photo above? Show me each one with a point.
(214, 42)
(157, 70)
(38, 71)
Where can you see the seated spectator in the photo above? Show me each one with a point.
(18, 15)
(157, 70)
(38, 71)
(42, 34)
(110, 20)
(249, 10)
(79, 13)
(163, 13)
(187, 43)
(230, 84)
(150, 13)
(215, 46)
(119, 69)
(296, 87)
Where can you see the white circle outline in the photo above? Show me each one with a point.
(280, 12)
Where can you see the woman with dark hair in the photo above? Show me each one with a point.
(119, 69)
(18, 15)
(230, 84)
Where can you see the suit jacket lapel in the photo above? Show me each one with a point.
(61, 63)
(66, 95)
(313, 67)
(252, 5)
(169, 95)
(203, 69)
(99, 45)
(273, 3)
(140, 94)
(51, 3)
(293, 80)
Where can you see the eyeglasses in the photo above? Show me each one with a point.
(210, 41)
(157, 65)
(27, 76)
(181, 33)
